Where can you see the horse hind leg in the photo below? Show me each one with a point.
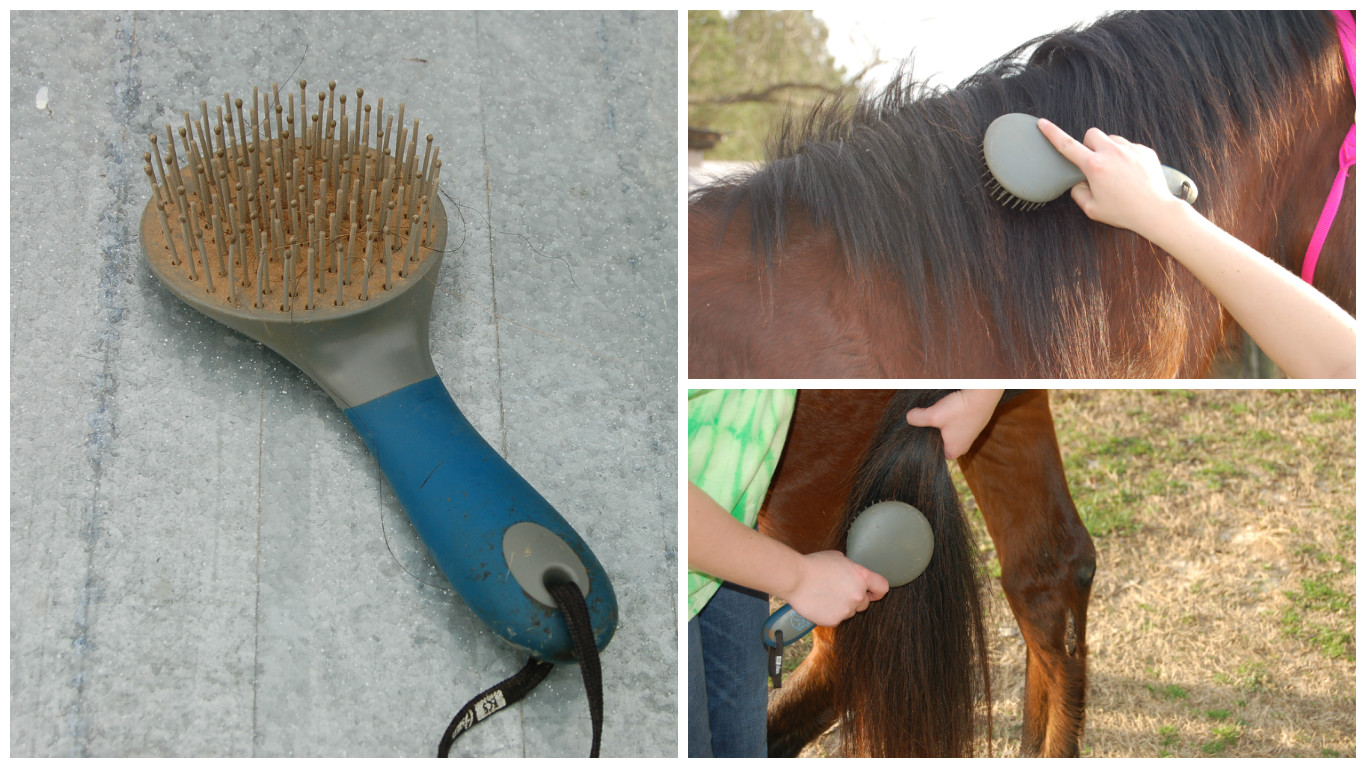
(1055, 666)
(1047, 564)
(804, 707)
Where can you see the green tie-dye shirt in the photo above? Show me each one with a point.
(735, 437)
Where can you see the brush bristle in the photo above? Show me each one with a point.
(1002, 195)
(274, 217)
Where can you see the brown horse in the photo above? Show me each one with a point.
(905, 671)
(868, 246)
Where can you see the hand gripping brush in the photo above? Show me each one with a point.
(1024, 170)
(891, 538)
(308, 239)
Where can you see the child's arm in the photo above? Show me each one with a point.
(825, 587)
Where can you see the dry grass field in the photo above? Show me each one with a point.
(1223, 615)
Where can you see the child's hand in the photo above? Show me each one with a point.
(831, 588)
(960, 416)
(1124, 184)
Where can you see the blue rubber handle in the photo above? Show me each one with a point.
(794, 627)
(462, 497)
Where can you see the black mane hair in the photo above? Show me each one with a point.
(897, 177)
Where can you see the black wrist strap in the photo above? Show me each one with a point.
(575, 610)
(571, 603)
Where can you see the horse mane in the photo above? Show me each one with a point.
(911, 670)
(897, 177)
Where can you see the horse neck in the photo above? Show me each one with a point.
(1279, 183)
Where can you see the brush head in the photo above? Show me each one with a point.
(312, 241)
(892, 538)
(1025, 168)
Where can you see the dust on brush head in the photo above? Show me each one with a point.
(295, 214)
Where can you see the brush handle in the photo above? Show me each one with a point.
(892, 538)
(793, 625)
(494, 537)
(1180, 185)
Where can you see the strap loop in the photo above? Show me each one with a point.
(571, 603)
(575, 610)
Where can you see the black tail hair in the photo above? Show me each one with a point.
(911, 668)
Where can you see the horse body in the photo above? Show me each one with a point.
(809, 317)
(868, 245)
(1046, 555)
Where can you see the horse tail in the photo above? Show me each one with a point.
(909, 670)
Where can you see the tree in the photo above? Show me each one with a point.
(748, 71)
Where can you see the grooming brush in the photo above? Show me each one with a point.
(292, 228)
(891, 538)
(1024, 170)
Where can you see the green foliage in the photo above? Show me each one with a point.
(747, 70)
(1225, 736)
(1253, 676)
(1169, 691)
(1316, 599)
(1344, 411)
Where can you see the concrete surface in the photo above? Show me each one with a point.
(204, 559)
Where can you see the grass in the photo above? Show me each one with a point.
(1224, 523)
(1169, 691)
(1321, 615)
(1218, 473)
(1337, 412)
(1225, 736)
(1253, 676)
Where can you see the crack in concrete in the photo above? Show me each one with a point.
(493, 274)
(117, 241)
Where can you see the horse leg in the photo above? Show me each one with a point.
(1047, 564)
(803, 708)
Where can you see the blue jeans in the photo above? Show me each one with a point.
(728, 676)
